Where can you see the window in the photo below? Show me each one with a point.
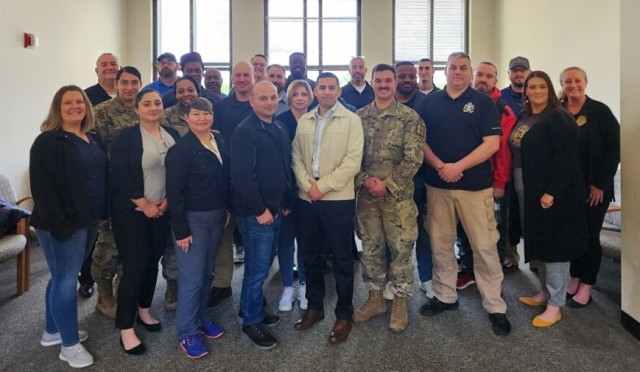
(203, 26)
(429, 29)
(327, 31)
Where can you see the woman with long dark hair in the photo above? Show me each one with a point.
(555, 212)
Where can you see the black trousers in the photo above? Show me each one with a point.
(85, 272)
(332, 220)
(587, 267)
(141, 242)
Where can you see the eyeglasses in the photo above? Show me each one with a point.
(165, 63)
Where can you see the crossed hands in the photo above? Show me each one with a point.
(450, 172)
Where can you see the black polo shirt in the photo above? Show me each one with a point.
(97, 95)
(456, 127)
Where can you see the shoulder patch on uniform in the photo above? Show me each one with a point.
(420, 130)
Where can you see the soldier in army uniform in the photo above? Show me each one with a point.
(111, 116)
(185, 89)
(386, 214)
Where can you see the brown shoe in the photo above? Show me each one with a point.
(106, 304)
(340, 332)
(399, 316)
(374, 306)
(309, 318)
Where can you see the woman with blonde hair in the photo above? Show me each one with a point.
(599, 152)
(68, 175)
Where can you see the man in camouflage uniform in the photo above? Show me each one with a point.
(386, 214)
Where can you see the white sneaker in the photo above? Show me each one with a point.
(238, 254)
(387, 293)
(302, 296)
(51, 339)
(77, 356)
(427, 287)
(286, 301)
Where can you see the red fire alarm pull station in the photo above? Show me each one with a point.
(30, 40)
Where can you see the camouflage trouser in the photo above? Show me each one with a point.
(105, 254)
(383, 222)
(223, 272)
(168, 261)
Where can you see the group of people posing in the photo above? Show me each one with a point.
(172, 169)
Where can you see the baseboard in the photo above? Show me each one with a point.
(630, 324)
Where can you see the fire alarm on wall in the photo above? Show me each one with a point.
(30, 41)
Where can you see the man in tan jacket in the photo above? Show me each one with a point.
(326, 156)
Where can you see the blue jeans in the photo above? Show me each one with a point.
(65, 261)
(195, 270)
(286, 249)
(423, 244)
(260, 245)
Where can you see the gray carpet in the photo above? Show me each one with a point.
(589, 339)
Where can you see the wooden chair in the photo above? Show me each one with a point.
(16, 244)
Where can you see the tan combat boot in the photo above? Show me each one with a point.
(106, 304)
(374, 306)
(171, 295)
(399, 317)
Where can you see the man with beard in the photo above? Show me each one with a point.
(167, 74)
(408, 94)
(213, 81)
(512, 95)
(357, 92)
(425, 73)
(191, 65)
(407, 91)
(275, 74)
(106, 68)
(298, 68)
(485, 78)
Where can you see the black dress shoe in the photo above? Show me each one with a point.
(576, 305)
(150, 327)
(85, 290)
(138, 350)
(500, 324)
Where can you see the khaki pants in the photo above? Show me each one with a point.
(474, 209)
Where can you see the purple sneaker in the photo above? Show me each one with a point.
(193, 346)
(212, 330)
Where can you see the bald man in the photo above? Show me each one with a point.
(260, 169)
(106, 68)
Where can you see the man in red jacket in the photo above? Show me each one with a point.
(485, 78)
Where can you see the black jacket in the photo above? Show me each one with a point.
(61, 205)
(126, 167)
(550, 165)
(260, 168)
(196, 181)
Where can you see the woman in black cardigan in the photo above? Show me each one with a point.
(68, 173)
(555, 211)
(599, 151)
(140, 220)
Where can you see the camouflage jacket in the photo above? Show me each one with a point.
(393, 140)
(111, 116)
(172, 117)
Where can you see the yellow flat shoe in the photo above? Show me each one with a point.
(531, 301)
(538, 322)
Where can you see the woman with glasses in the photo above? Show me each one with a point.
(139, 218)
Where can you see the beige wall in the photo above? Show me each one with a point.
(138, 45)
(247, 29)
(70, 42)
(555, 34)
(630, 117)
(482, 32)
(376, 28)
